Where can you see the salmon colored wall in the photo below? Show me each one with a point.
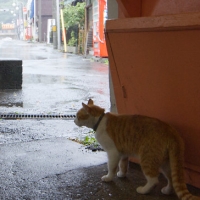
(155, 67)
(138, 8)
(129, 8)
(163, 7)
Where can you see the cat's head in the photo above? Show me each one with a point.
(88, 114)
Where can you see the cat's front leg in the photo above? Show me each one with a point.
(113, 160)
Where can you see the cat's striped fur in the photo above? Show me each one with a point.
(157, 145)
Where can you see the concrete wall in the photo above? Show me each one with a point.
(44, 12)
(163, 7)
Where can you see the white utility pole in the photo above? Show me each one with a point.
(34, 20)
(40, 20)
(58, 22)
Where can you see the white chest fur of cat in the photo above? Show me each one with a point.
(158, 146)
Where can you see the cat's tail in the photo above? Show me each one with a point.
(177, 171)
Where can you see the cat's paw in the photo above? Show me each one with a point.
(121, 175)
(141, 190)
(167, 190)
(106, 178)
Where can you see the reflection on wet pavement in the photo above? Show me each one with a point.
(10, 98)
(53, 82)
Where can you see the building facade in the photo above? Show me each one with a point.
(38, 13)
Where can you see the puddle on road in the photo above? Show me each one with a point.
(40, 58)
(11, 98)
(45, 79)
(8, 104)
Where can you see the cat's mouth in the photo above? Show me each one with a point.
(77, 122)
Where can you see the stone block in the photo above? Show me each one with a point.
(10, 74)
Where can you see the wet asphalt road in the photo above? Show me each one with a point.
(37, 160)
(32, 150)
(53, 83)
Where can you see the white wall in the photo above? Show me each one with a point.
(112, 9)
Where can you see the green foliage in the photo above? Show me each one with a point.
(74, 15)
(106, 62)
(74, 19)
(88, 140)
(72, 41)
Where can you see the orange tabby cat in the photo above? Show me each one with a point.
(157, 145)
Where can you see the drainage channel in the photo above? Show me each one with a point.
(35, 116)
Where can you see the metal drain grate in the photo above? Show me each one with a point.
(35, 116)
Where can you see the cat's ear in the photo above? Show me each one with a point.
(86, 107)
(90, 102)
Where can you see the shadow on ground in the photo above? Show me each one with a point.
(86, 184)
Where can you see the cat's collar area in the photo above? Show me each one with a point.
(98, 122)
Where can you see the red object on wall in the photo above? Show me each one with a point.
(99, 18)
(28, 33)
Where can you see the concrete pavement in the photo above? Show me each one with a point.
(24, 165)
(37, 161)
(57, 169)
